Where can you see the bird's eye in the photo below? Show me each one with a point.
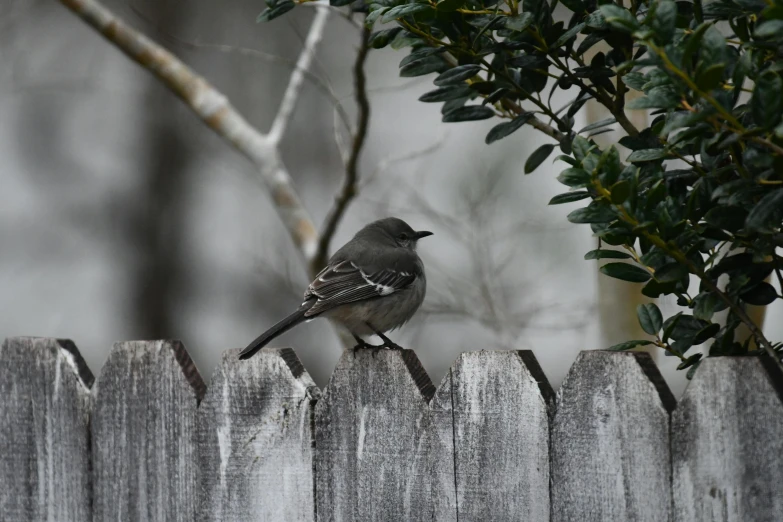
(403, 237)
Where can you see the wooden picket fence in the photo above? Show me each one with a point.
(147, 440)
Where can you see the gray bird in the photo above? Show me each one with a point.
(373, 284)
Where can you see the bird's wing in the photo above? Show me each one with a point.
(345, 282)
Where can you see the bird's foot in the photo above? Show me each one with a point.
(391, 345)
(364, 345)
(388, 343)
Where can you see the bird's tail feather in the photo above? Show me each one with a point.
(278, 329)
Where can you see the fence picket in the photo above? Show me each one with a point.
(381, 444)
(726, 443)
(44, 430)
(144, 433)
(372, 440)
(256, 440)
(610, 440)
(491, 422)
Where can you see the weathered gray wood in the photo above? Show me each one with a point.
(144, 434)
(372, 429)
(727, 443)
(491, 423)
(610, 441)
(44, 431)
(256, 440)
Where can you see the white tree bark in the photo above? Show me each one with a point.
(217, 112)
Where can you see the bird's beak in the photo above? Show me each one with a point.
(422, 234)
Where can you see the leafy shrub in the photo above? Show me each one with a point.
(703, 179)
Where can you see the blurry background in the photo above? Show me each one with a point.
(123, 217)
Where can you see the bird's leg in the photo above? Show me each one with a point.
(361, 344)
(387, 343)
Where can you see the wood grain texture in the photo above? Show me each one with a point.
(44, 431)
(610, 441)
(490, 451)
(727, 444)
(256, 439)
(144, 434)
(372, 429)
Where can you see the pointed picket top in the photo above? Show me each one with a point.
(256, 439)
(145, 462)
(45, 407)
(726, 442)
(490, 449)
(372, 428)
(612, 420)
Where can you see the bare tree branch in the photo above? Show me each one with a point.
(349, 189)
(291, 95)
(215, 110)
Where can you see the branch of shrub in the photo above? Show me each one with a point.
(675, 253)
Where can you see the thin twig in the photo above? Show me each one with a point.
(215, 110)
(291, 95)
(349, 188)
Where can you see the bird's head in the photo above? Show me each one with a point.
(397, 231)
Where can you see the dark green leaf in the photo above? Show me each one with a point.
(568, 35)
(598, 125)
(576, 6)
(690, 361)
(451, 92)
(581, 147)
(538, 157)
(766, 215)
(502, 130)
(639, 156)
(664, 97)
(635, 80)
(520, 22)
(592, 214)
(761, 294)
(707, 305)
(419, 54)
(403, 10)
(710, 77)
(569, 197)
(627, 345)
(457, 75)
(381, 39)
(692, 370)
(448, 6)
(574, 178)
(767, 102)
(669, 325)
(424, 66)
(713, 46)
(620, 191)
(671, 272)
(468, 113)
(726, 218)
(626, 272)
(606, 254)
(655, 289)
(650, 318)
(693, 43)
(772, 29)
(706, 333)
(538, 8)
(374, 14)
(619, 18)
(664, 22)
